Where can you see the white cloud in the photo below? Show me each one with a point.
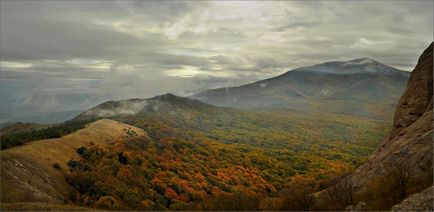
(191, 71)
(14, 65)
(366, 43)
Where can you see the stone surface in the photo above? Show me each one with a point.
(417, 98)
(361, 206)
(422, 201)
(411, 138)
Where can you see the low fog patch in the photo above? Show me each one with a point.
(125, 107)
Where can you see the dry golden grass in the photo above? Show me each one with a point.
(28, 174)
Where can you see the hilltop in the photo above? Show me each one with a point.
(35, 172)
(167, 103)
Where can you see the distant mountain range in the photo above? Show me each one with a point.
(42, 118)
(361, 87)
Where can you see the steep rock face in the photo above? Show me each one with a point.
(410, 144)
(410, 141)
(417, 98)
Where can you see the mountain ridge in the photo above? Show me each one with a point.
(125, 107)
(370, 89)
(361, 65)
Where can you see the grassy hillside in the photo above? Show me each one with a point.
(41, 207)
(35, 172)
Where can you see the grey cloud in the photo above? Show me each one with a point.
(218, 35)
(85, 52)
(295, 24)
(65, 40)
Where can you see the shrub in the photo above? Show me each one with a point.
(299, 196)
(122, 158)
(397, 180)
(84, 152)
(108, 202)
(72, 163)
(56, 166)
(237, 201)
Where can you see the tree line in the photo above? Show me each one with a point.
(18, 139)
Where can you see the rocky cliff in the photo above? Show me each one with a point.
(417, 98)
(402, 163)
(410, 141)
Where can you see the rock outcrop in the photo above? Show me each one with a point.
(410, 144)
(422, 201)
(410, 141)
(417, 98)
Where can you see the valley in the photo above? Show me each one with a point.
(176, 153)
(195, 153)
(187, 105)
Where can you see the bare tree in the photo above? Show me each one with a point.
(299, 196)
(426, 166)
(341, 192)
(397, 180)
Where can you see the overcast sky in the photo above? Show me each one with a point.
(60, 55)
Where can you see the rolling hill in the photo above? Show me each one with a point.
(361, 87)
(232, 126)
(35, 172)
(280, 146)
(251, 156)
(19, 127)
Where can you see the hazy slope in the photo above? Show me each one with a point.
(217, 144)
(41, 118)
(18, 127)
(167, 103)
(27, 171)
(239, 126)
(282, 133)
(362, 87)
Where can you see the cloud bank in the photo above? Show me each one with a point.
(72, 55)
